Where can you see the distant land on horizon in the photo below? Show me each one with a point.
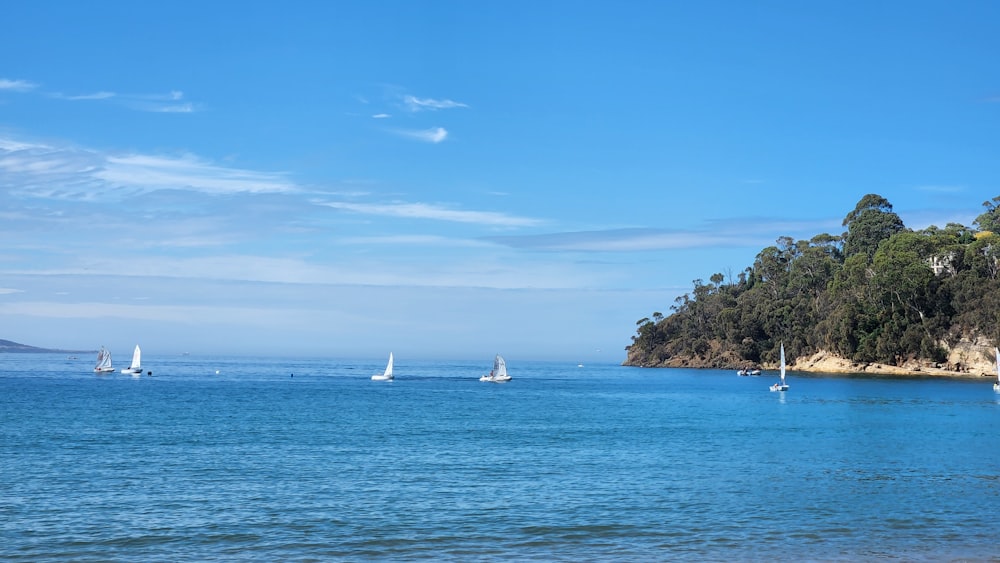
(9, 346)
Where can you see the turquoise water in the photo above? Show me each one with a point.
(563, 463)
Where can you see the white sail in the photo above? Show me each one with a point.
(387, 374)
(103, 361)
(996, 354)
(782, 363)
(499, 372)
(500, 368)
(135, 368)
(781, 385)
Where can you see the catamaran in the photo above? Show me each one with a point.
(781, 385)
(499, 372)
(103, 361)
(135, 368)
(387, 374)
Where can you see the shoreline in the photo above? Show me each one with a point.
(963, 365)
(823, 362)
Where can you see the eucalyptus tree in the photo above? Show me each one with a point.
(871, 222)
(990, 219)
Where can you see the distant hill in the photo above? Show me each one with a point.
(15, 347)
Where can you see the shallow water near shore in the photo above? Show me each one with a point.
(278, 459)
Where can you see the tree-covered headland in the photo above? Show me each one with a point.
(877, 293)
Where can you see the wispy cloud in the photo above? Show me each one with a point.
(414, 103)
(647, 239)
(95, 96)
(17, 85)
(432, 135)
(618, 240)
(415, 240)
(160, 103)
(188, 172)
(435, 212)
(179, 108)
(67, 172)
(941, 189)
(381, 116)
(8, 291)
(157, 102)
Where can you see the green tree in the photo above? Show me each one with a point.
(871, 222)
(990, 219)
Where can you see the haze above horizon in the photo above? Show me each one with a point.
(447, 180)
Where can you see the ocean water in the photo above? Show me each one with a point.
(308, 460)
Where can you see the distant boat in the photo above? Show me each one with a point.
(387, 374)
(781, 385)
(103, 361)
(135, 368)
(996, 386)
(499, 372)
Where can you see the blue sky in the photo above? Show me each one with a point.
(455, 179)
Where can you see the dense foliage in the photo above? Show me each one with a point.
(879, 292)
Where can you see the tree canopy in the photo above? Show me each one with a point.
(879, 292)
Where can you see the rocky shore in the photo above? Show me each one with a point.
(963, 367)
(966, 359)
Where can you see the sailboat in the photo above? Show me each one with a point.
(499, 372)
(781, 385)
(103, 361)
(387, 374)
(135, 368)
(996, 386)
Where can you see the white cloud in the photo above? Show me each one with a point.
(419, 104)
(71, 172)
(8, 291)
(17, 85)
(181, 108)
(154, 274)
(753, 233)
(433, 135)
(15, 145)
(416, 240)
(155, 172)
(381, 116)
(158, 103)
(435, 212)
(941, 189)
(95, 96)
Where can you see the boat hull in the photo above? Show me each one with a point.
(494, 379)
(379, 377)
